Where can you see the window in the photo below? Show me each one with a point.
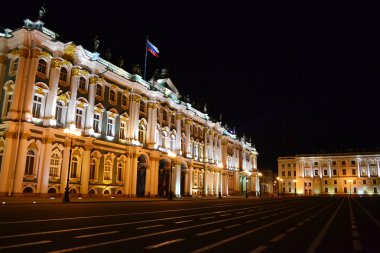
(7, 103)
(124, 101)
(325, 172)
(374, 181)
(283, 173)
(375, 189)
(289, 165)
(14, 66)
(82, 83)
(37, 105)
(283, 166)
(60, 112)
(112, 96)
(123, 130)
(165, 115)
(354, 189)
(326, 189)
(334, 172)
(54, 165)
(142, 134)
(354, 181)
(142, 107)
(334, 163)
(364, 181)
(107, 171)
(335, 189)
(74, 167)
(335, 182)
(290, 189)
(344, 181)
(324, 163)
(344, 172)
(315, 163)
(99, 90)
(353, 172)
(97, 123)
(345, 189)
(325, 181)
(42, 66)
(294, 172)
(353, 163)
(29, 165)
(315, 172)
(343, 163)
(120, 172)
(173, 123)
(63, 75)
(92, 168)
(289, 173)
(110, 131)
(79, 118)
(172, 144)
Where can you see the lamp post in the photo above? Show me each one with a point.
(279, 180)
(248, 173)
(71, 132)
(260, 175)
(220, 166)
(295, 187)
(350, 182)
(172, 155)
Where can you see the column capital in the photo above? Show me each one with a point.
(56, 63)
(20, 52)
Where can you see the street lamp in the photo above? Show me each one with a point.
(260, 175)
(279, 179)
(72, 133)
(220, 166)
(295, 186)
(172, 155)
(350, 181)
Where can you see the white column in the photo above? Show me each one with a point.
(45, 158)
(85, 168)
(20, 164)
(148, 173)
(65, 165)
(177, 180)
(179, 133)
(187, 137)
(134, 175)
(6, 163)
(90, 108)
(51, 98)
(73, 89)
(205, 183)
(127, 176)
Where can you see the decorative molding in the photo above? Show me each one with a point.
(3, 59)
(56, 63)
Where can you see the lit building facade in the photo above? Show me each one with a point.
(328, 174)
(128, 128)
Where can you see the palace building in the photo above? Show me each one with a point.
(133, 137)
(328, 174)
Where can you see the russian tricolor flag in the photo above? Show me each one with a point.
(151, 48)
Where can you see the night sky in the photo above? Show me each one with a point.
(295, 77)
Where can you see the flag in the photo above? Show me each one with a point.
(151, 48)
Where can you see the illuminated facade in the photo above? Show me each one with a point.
(128, 128)
(341, 173)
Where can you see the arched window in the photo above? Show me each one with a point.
(123, 130)
(59, 114)
(99, 90)
(37, 106)
(74, 167)
(82, 83)
(63, 75)
(14, 66)
(141, 133)
(107, 170)
(29, 165)
(42, 66)
(172, 142)
(54, 165)
(164, 115)
(124, 101)
(97, 122)
(120, 171)
(191, 146)
(110, 127)
(79, 118)
(142, 106)
(92, 168)
(112, 96)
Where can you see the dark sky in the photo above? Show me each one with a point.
(294, 77)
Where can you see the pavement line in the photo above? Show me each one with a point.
(277, 238)
(313, 247)
(250, 221)
(239, 212)
(367, 213)
(227, 214)
(206, 218)
(183, 221)
(232, 226)
(211, 246)
(153, 226)
(209, 232)
(259, 249)
(92, 235)
(164, 243)
(24, 244)
(291, 229)
(115, 215)
(356, 245)
(300, 223)
(167, 232)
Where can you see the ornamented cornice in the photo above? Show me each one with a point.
(69, 52)
(56, 63)
(20, 52)
(136, 98)
(75, 72)
(188, 121)
(179, 116)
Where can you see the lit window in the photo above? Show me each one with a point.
(124, 101)
(99, 90)
(96, 123)
(123, 130)
(110, 131)
(107, 171)
(54, 165)
(63, 75)
(164, 115)
(74, 167)
(14, 66)
(142, 134)
(82, 83)
(142, 107)
(29, 165)
(92, 168)
(37, 106)
(42, 66)
(112, 96)
(120, 171)
(79, 118)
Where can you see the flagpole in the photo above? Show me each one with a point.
(146, 56)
